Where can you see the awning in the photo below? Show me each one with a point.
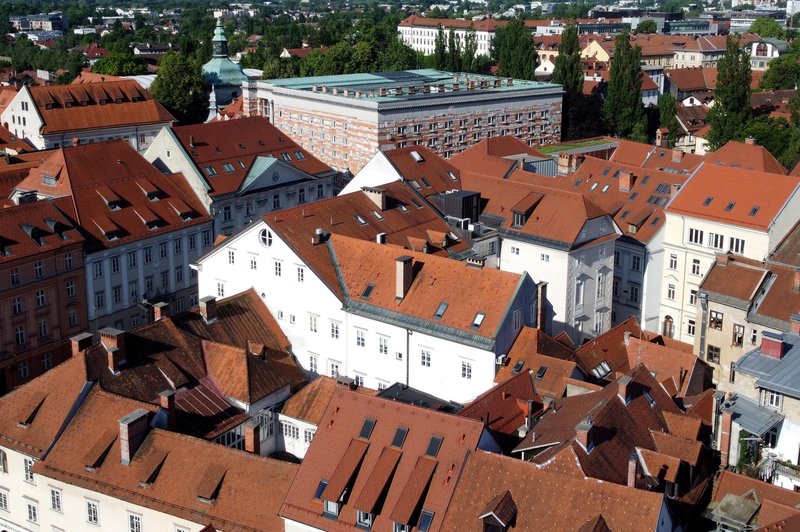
(752, 417)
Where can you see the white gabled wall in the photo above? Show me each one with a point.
(166, 151)
(378, 171)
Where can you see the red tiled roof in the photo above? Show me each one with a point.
(608, 347)
(310, 403)
(405, 490)
(669, 365)
(659, 465)
(428, 173)
(748, 156)
(181, 466)
(535, 349)
(494, 157)
(503, 408)
(538, 493)
(95, 174)
(238, 143)
(108, 104)
(736, 484)
(769, 192)
(34, 228)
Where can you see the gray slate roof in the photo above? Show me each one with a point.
(780, 375)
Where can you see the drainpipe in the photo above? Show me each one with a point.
(408, 357)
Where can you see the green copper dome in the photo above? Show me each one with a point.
(221, 70)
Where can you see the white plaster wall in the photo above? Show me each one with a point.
(177, 161)
(298, 446)
(19, 492)
(378, 171)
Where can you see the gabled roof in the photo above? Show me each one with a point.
(676, 370)
(545, 501)
(31, 229)
(34, 414)
(766, 496)
(66, 108)
(558, 216)
(404, 217)
(238, 143)
(170, 472)
(424, 170)
(746, 155)
(754, 202)
(436, 281)
(495, 157)
(391, 476)
(609, 347)
(116, 195)
(535, 350)
(504, 408)
(310, 403)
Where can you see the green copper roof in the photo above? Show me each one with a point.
(219, 33)
(222, 71)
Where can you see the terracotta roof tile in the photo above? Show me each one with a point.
(761, 193)
(736, 484)
(685, 372)
(536, 350)
(608, 347)
(536, 493)
(180, 480)
(503, 408)
(659, 466)
(82, 172)
(405, 493)
(682, 448)
(494, 157)
(426, 171)
(107, 104)
(34, 228)
(238, 143)
(747, 156)
(310, 403)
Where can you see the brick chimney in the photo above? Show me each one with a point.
(796, 281)
(167, 400)
(541, 305)
(750, 141)
(377, 196)
(132, 431)
(252, 437)
(80, 342)
(583, 433)
(632, 462)
(403, 275)
(208, 308)
(677, 155)
(726, 423)
(773, 345)
(795, 319)
(622, 388)
(160, 310)
(114, 342)
(626, 181)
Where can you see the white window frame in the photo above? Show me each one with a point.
(56, 500)
(92, 512)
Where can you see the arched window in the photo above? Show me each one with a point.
(668, 328)
(3, 462)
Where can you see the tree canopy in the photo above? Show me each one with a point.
(568, 70)
(667, 117)
(766, 27)
(120, 64)
(623, 107)
(514, 51)
(782, 73)
(180, 88)
(731, 110)
(646, 26)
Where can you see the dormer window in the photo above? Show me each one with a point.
(48, 180)
(114, 205)
(425, 520)
(433, 446)
(519, 219)
(364, 520)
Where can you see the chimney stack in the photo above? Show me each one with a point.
(76, 141)
(160, 310)
(132, 431)
(626, 338)
(677, 155)
(725, 436)
(252, 437)
(622, 388)
(632, 470)
(626, 181)
(541, 306)
(583, 433)
(167, 400)
(208, 308)
(80, 342)
(377, 196)
(318, 236)
(723, 260)
(403, 275)
(191, 141)
(114, 342)
(773, 345)
(750, 141)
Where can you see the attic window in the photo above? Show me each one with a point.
(451, 175)
(633, 196)
(425, 182)
(103, 101)
(280, 139)
(519, 219)
(645, 179)
(655, 220)
(433, 446)
(360, 220)
(754, 211)
(228, 167)
(415, 184)
(594, 186)
(476, 323)
(605, 188)
(114, 205)
(730, 206)
(440, 310)
(377, 215)
(605, 171)
(649, 398)
(367, 291)
(577, 182)
(518, 367)
(299, 155)
(211, 171)
(425, 520)
(416, 203)
(601, 370)
(624, 215)
(399, 437)
(707, 202)
(632, 229)
(286, 157)
(241, 165)
(48, 180)
(403, 208)
(616, 174)
(540, 372)
(366, 428)
(320, 489)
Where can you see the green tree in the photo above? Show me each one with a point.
(667, 117)
(398, 56)
(623, 107)
(514, 51)
(470, 51)
(568, 70)
(766, 27)
(440, 50)
(731, 110)
(120, 64)
(453, 52)
(646, 26)
(180, 88)
(782, 73)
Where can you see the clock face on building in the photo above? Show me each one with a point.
(275, 177)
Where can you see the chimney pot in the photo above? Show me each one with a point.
(403, 276)
(208, 308)
(632, 470)
(583, 432)
(622, 388)
(318, 236)
(80, 342)
(252, 437)
(132, 432)
(160, 310)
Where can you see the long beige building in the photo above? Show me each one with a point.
(343, 120)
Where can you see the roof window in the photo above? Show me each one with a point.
(399, 437)
(476, 323)
(228, 167)
(366, 428)
(594, 186)
(633, 196)
(299, 155)
(577, 182)
(425, 520)
(451, 175)
(730, 206)
(433, 446)
(754, 210)
(320, 489)
(540, 372)
(415, 184)
(649, 398)
(403, 208)
(601, 370)
(707, 202)
(518, 367)
(377, 215)
(605, 187)
(211, 171)
(367, 291)
(417, 157)
(605, 171)
(360, 220)
(286, 157)
(440, 310)
(416, 203)
(645, 179)
(425, 182)
(624, 215)
(241, 165)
